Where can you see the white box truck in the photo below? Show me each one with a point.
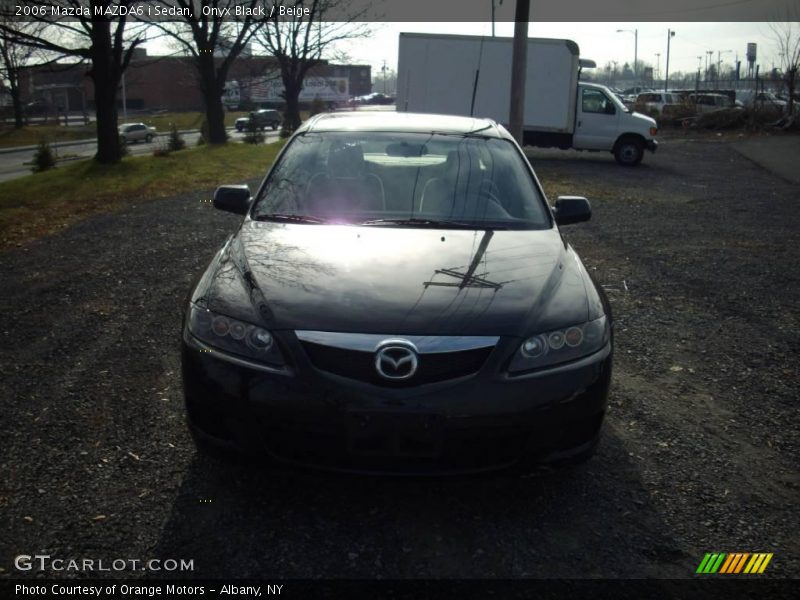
(471, 75)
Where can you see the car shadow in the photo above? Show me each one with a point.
(244, 520)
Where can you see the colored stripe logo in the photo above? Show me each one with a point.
(734, 563)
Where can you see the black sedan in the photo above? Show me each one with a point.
(398, 299)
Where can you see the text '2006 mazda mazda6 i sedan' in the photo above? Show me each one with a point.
(398, 299)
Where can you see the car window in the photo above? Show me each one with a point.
(595, 101)
(354, 177)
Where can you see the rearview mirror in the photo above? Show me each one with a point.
(572, 209)
(233, 198)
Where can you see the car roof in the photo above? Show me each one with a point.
(403, 122)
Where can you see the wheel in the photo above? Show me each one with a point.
(629, 152)
(149, 138)
(274, 125)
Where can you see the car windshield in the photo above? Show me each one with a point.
(403, 180)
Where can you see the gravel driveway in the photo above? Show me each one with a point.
(698, 249)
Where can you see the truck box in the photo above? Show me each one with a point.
(471, 75)
(438, 73)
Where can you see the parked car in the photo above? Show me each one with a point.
(705, 103)
(398, 298)
(763, 100)
(262, 118)
(657, 103)
(375, 98)
(136, 132)
(636, 90)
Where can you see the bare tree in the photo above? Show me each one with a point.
(298, 43)
(786, 37)
(14, 58)
(101, 40)
(212, 34)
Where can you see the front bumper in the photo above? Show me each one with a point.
(308, 417)
(651, 145)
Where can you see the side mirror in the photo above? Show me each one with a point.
(572, 209)
(233, 198)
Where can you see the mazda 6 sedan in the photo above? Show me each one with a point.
(398, 299)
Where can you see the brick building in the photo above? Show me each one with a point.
(159, 82)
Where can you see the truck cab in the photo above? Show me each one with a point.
(603, 123)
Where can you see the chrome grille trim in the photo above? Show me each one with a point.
(425, 344)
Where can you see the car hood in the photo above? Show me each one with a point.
(398, 280)
(650, 121)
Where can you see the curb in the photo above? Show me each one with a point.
(76, 143)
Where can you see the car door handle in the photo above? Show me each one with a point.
(579, 123)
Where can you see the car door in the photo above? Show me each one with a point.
(597, 120)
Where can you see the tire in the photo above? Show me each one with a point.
(149, 138)
(629, 151)
(274, 125)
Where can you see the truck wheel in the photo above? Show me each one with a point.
(629, 152)
(274, 125)
(149, 138)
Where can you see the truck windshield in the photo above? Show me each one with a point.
(403, 180)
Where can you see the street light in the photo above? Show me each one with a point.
(670, 35)
(635, 33)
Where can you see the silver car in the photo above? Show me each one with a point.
(136, 132)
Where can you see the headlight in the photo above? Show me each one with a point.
(236, 337)
(561, 345)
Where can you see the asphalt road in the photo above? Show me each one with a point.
(698, 250)
(18, 163)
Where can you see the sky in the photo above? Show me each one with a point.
(597, 41)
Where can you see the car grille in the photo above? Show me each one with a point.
(433, 367)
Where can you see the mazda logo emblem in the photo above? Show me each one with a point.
(396, 359)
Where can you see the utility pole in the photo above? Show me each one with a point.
(519, 69)
(709, 55)
(670, 35)
(658, 65)
(383, 69)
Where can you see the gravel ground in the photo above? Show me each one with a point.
(698, 249)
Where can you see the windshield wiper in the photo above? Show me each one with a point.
(289, 218)
(414, 222)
